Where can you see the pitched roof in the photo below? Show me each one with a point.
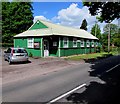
(54, 29)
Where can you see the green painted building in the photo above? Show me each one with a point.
(44, 39)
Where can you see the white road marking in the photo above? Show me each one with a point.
(71, 91)
(67, 93)
(112, 68)
(108, 70)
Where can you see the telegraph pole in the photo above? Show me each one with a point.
(109, 39)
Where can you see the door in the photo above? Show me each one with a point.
(46, 48)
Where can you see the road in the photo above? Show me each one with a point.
(46, 87)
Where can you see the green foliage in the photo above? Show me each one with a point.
(0, 23)
(113, 29)
(6, 45)
(96, 31)
(16, 18)
(84, 25)
(114, 35)
(98, 49)
(89, 56)
(116, 40)
(108, 11)
(30, 54)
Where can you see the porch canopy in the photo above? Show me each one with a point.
(55, 29)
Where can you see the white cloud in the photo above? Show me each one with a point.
(73, 16)
(40, 18)
(115, 21)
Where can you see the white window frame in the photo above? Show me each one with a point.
(30, 42)
(92, 43)
(87, 43)
(65, 42)
(79, 42)
(96, 44)
(74, 42)
(82, 43)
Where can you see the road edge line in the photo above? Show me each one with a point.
(65, 94)
(112, 68)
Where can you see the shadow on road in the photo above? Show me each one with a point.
(99, 93)
(17, 63)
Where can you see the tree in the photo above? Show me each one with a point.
(114, 34)
(116, 39)
(5, 21)
(108, 11)
(84, 25)
(22, 16)
(17, 17)
(113, 29)
(96, 31)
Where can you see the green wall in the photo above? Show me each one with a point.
(18, 42)
(75, 50)
(22, 42)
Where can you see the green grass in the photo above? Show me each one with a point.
(90, 56)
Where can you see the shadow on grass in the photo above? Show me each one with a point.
(92, 60)
(99, 93)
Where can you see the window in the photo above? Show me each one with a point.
(92, 43)
(96, 44)
(74, 42)
(36, 45)
(19, 51)
(65, 42)
(30, 42)
(54, 43)
(82, 43)
(87, 43)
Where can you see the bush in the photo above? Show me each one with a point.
(30, 54)
(6, 45)
(98, 49)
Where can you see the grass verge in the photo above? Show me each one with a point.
(90, 56)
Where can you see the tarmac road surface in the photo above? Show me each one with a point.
(46, 87)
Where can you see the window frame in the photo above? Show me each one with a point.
(65, 42)
(82, 44)
(88, 43)
(30, 42)
(75, 41)
(92, 43)
(96, 44)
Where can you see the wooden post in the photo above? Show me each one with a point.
(109, 39)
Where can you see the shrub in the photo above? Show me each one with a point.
(30, 54)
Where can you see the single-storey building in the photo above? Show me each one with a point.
(44, 38)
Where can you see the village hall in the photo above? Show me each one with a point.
(45, 39)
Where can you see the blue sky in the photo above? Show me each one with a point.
(50, 9)
(65, 13)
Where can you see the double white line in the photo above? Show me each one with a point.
(69, 92)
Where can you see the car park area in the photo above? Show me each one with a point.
(32, 68)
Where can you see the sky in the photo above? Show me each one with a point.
(65, 13)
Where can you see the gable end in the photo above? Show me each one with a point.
(38, 25)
